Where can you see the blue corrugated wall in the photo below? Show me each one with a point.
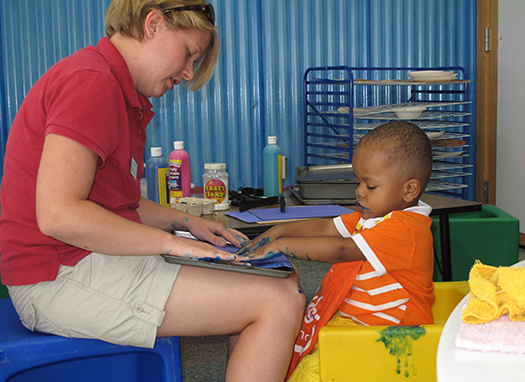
(257, 88)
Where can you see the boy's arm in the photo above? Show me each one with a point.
(314, 240)
(321, 227)
(306, 228)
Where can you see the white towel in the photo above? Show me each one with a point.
(501, 335)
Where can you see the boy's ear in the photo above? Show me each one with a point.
(412, 190)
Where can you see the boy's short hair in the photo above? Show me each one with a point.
(406, 146)
(127, 18)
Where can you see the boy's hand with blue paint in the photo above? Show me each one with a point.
(250, 246)
(313, 239)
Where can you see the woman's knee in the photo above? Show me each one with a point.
(299, 297)
(290, 298)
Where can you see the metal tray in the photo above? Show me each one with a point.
(295, 192)
(328, 183)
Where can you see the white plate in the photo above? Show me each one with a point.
(446, 154)
(409, 112)
(433, 79)
(434, 134)
(432, 75)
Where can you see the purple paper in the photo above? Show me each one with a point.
(300, 212)
(245, 216)
(291, 213)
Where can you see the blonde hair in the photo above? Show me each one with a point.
(127, 18)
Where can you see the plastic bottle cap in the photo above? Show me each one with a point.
(178, 145)
(215, 166)
(156, 151)
(272, 140)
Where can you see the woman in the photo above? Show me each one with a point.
(80, 246)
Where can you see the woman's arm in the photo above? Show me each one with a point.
(167, 218)
(65, 177)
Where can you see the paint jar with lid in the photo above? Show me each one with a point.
(215, 180)
(179, 173)
(272, 168)
(157, 177)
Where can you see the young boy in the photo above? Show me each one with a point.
(383, 251)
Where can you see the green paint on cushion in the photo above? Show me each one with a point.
(398, 341)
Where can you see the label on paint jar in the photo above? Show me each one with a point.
(215, 189)
(175, 176)
(215, 181)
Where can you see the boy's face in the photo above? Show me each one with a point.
(381, 187)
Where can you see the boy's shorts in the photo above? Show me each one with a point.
(118, 299)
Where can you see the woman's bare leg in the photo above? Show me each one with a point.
(232, 341)
(264, 311)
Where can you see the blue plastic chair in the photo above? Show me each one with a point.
(31, 356)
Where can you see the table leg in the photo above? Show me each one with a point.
(444, 233)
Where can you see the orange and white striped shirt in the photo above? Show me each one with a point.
(394, 285)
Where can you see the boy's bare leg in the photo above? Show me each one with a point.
(265, 311)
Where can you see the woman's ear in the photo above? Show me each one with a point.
(152, 23)
(412, 190)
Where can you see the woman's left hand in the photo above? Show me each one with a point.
(215, 233)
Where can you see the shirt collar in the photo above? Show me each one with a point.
(422, 208)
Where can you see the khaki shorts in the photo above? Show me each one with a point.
(118, 299)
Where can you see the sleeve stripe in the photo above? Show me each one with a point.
(338, 221)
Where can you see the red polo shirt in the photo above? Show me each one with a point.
(88, 97)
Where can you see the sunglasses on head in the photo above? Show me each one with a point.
(208, 8)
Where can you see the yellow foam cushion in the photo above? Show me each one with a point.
(388, 353)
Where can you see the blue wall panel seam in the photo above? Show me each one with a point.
(4, 131)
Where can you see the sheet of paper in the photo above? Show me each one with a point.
(291, 213)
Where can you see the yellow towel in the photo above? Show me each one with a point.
(495, 291)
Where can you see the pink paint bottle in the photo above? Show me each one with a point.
(179, 173)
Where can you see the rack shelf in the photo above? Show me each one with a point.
(339, 110)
